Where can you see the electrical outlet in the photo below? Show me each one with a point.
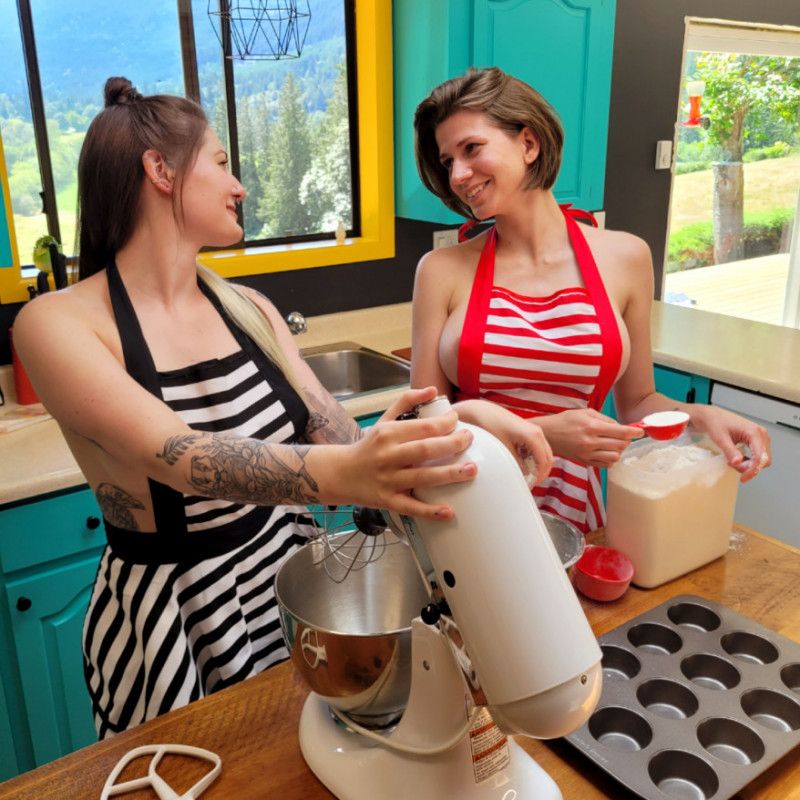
(445, 238)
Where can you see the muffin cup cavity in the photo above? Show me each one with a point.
(619, 664)
(667, 699)
(790, 675)
(730, 741)
(749, 647)
(683, 775)
(772, 710)
(620, 729)
(653, 638)
(695, 616)
(710, 672)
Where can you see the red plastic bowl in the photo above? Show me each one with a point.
(602, 573)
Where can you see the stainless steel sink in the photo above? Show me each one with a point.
(346, 369)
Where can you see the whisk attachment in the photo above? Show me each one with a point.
(349, 538)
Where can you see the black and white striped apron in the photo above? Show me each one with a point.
(190, 609)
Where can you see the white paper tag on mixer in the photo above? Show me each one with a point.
(489, 747)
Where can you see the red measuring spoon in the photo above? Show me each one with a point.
(663, 425)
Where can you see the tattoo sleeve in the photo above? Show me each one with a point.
(116, 505)
(243, 470)
(328, 422)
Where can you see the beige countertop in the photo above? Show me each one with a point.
(751, 355)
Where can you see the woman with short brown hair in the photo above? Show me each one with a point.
(539, 314)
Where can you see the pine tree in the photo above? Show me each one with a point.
(248, 164)
(326, 190)
(289, 159)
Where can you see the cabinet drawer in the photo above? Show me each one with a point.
(48, 529)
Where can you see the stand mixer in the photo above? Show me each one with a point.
(407, 706)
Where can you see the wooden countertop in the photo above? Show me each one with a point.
(752, 355)
(253, 726)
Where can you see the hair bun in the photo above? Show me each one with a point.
(119, 91)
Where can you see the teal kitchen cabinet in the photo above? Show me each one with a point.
(563, 48)
(369, 420)
(47, 613)
(8, 756)
(49, 552)
(682, 386)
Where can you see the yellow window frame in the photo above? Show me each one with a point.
(373, 22)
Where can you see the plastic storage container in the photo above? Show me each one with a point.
(670, 507)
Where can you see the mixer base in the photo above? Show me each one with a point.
(355, 768)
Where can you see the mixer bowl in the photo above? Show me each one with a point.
(568, 540)
(351, 641)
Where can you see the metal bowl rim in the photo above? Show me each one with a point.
(580, 538)
(284, 609)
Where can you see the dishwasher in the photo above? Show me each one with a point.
(769, 502)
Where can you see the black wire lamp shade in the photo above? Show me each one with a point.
(260, 30)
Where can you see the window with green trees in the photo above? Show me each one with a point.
(732, 245)
(291, 118)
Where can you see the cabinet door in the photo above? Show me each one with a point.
(8, 756)
(681, 385)
(48, 529)
(47, 612)
(563, 48)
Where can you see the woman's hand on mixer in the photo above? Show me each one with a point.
(389, 461)
(727, 430)
(523, 437)
(586, 435)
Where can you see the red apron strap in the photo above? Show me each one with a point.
(579, 213)
(609, 330)
(465, 229)
(470, 347)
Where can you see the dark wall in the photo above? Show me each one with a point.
(323, 290)
(645, 82)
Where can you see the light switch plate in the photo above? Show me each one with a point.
(445, 238)
(663, 154)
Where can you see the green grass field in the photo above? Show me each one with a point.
(767, 184)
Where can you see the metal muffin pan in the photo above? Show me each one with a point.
(697, 701)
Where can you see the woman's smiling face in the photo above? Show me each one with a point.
(210, 194)
(486, 166)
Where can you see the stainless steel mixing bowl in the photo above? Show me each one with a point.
(351, 641)
(568, 540)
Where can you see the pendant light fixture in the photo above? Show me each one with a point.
(260, 30)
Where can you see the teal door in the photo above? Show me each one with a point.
(47, 612)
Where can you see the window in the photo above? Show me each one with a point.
(733, 244)
(308, 137)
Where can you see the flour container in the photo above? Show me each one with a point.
(670, 507)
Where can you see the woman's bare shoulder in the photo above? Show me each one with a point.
(454, 261)
(84, 304)
(619, 248)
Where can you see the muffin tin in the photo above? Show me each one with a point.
(697, 701)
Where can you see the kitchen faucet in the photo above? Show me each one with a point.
(296, 322)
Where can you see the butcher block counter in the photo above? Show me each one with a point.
(253, 726)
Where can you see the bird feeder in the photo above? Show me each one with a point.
(695, 91)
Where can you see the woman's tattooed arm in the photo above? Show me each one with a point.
(243, 470)
(328, 422)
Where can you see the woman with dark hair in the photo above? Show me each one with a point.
(539, 314)
(194, 419)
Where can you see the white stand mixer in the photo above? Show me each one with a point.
(512, 646)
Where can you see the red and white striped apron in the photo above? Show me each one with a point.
(543, 355)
